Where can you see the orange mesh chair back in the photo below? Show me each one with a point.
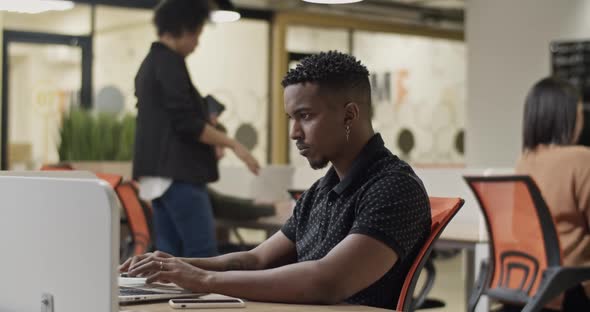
(442, 212)
(137, 218)
(112, 179)
(521, 234)
(525, 265)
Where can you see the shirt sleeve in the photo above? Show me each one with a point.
(290, 227)
(179, 94)
(394, 210)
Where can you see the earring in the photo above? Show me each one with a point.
(347, 129)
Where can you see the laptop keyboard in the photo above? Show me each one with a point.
(132, 291)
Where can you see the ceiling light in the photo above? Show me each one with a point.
(223, 16)
(224, 13)
(35, 6)
(332, 1)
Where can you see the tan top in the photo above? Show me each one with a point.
(562, 173)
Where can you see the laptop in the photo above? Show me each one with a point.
(62, 232)
(135, 290)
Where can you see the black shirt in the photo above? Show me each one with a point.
(381, 197)
(171, 116)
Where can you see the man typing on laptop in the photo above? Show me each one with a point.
(352, 236)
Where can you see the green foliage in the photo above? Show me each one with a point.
(87, 136)
(126, 138)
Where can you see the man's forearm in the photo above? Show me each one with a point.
(228, 262)
(302, 282)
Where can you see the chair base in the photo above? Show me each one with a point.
(431, 303)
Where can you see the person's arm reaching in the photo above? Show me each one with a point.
(354, 264)
(212, 136)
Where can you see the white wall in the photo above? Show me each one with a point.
(508, 50)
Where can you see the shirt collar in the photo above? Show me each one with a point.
(161, 46)
(358, 168)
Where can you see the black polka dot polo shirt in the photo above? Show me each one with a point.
(380, 197)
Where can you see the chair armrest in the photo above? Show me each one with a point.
(555, 281)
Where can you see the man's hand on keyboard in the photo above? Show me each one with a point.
(137, 261)
(171, 270)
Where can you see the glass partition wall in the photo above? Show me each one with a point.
(417, 79)
(231, 64)
(417, 76)
(419, 88)
(46, 71)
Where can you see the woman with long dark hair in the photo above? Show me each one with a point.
(553, 120)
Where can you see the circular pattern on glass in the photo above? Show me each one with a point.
(110, 100)
(247, 136)
(405, 141)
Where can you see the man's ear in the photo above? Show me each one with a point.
(351, 112)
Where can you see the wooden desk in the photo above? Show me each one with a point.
(255, 306)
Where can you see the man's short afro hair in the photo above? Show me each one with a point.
(332, 68)
(177, 16)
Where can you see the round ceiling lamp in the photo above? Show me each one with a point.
(224, 13)
(35, 6)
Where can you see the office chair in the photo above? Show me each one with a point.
(442, 211)
(138, 219)
(113, 180)
(525, 267)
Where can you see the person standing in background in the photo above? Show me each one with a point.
(553, 120)
(174, 153)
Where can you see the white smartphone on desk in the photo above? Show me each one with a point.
(203, 303)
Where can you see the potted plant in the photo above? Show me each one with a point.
(97, 141)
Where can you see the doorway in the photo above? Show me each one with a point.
(45, 75)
